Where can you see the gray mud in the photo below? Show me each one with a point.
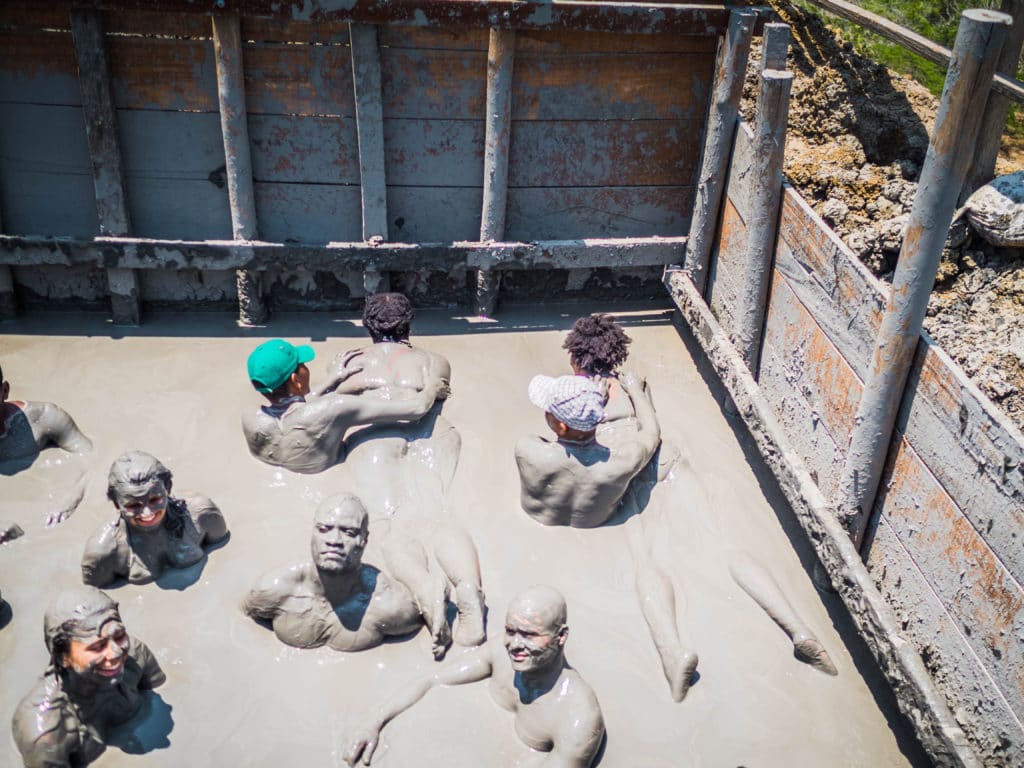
(236, 695)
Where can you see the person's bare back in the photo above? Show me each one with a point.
(580, 482)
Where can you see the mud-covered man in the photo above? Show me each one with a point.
(578, 479)
(28, 427)
(305, 431)
(153, 530)
(336, 600)
(94, 681)
(556, 711)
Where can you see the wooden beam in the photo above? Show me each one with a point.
(922, 46)
(141, 253)
(993, 124)
(916, 693)
(950, 149)
(497, 138)
(634, 18)
(370, 130)
(718, 140)
(763, 219)
(774, 46)
(227, 49)
(105, 153)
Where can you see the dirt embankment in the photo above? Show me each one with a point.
(857, 138)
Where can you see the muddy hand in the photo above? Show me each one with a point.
(363, 745)
(66, 507)
(344, 367)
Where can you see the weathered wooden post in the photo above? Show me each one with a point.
(227, 47)
(983, 165)
(725, 106)
(769, 150)
(366, 84)
(498, 135)
(978, 42)
(105, 154)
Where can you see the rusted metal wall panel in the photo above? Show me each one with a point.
(950, 519)
(981, 596)
(973, 450)
(45, 173)
(925, 622)
(847, 300)
(808, 381)
(725, 271)
(604, 139)
(568, 212)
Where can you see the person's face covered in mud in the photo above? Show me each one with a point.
(339, 535)
(140, 487)
(535, 634)
(100, 658)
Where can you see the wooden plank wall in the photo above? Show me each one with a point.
(606, 130)
(946, 545)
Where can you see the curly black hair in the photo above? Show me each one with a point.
(387, 317)
(597, 345)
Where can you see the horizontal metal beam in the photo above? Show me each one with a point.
(140, 253)
(679, 18)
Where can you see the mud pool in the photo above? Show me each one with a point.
(235, 695)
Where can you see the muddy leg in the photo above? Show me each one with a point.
(408, 563)
(456, 554)
(757, 582)
(658, 604)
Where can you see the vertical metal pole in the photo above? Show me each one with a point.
(774, 46)
(978, 42)
(500, 57)
(725, 105)
(370, 130)
(993, 123)
(227, 49)
(105, 155)
(763, 219)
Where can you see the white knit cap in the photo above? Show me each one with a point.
(576, 401)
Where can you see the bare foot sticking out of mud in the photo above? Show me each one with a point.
(679, 674)
(469, 625)
(807, 648)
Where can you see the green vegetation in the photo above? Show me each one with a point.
(935, 19)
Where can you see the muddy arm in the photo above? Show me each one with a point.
(106, 556)
(56, 426)
(152, 674)
(208, 519)
(264, 600)
(52, 749)
(580, 735)
(469, 667)
(357, 410)
(649, 433)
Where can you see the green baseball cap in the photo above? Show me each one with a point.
(272, 362)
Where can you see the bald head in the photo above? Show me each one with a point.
(536, 631)
(343, 509)
(542, 606)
